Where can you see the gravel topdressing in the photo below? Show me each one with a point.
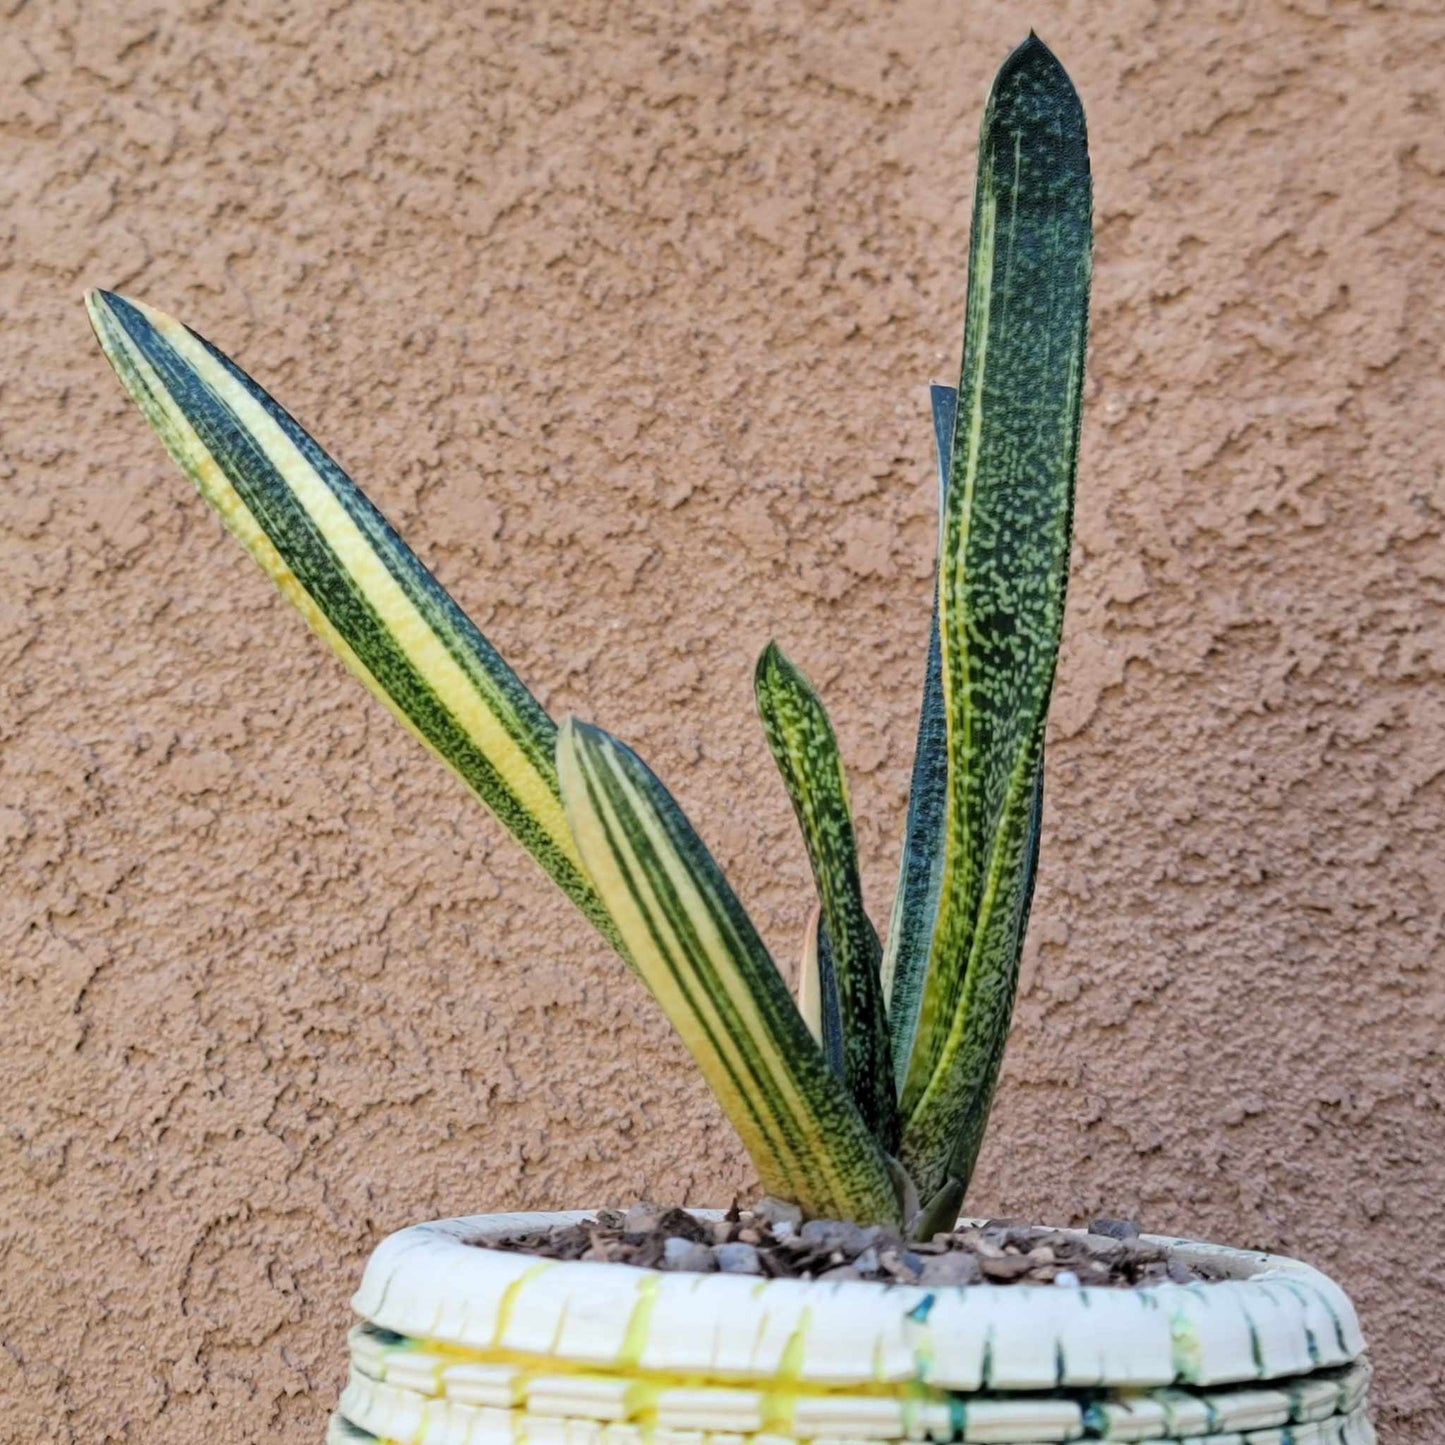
(774, 1242)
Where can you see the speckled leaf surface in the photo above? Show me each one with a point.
(1005, 554)
(806, 752)
(360, 587)
(920, 870)
(704, 962)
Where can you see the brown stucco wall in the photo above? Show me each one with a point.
(624, 313)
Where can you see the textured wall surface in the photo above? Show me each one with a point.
(624, 313)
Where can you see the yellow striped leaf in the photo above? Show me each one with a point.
(348, 573)
(699, 953)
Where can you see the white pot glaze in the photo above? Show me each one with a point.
(466, 1345)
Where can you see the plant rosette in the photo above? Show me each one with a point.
(462, 1343)
(862, 1097)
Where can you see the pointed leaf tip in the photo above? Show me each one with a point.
(337, 559)
(98, 299)
(1032, 59)
(97, 304)
(1031, 48)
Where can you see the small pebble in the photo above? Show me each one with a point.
(1179, 1272)
(981, 1244)
(777, 1212)
(958, 1268)
(832, 1235)
(901, 1264)
(688, 1255)
(783, 1230)
(1115, 1228)
(641, 1219)
(737, 1258)
(867, 1262)
(1007, 1267)
(1067, 1279)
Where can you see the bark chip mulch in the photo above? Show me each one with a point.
(774, 1242)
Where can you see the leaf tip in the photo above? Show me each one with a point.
(772, 664)
(1031, 66)
(113, 319)
(571, 736)
(98, 307)
(1031, 51)
(567, 755)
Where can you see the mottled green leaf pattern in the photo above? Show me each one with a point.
(704, 962)
(989, 992)
(885, 1101)
(340, 563)
(1006, 533)
(920, 873)
(818, 991)
(806, 752)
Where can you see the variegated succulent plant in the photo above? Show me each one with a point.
(866, 1099)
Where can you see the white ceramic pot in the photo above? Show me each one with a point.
(466, 1345)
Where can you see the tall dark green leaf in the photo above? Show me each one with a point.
(991, 985)
(1006, 534)
(920, 872)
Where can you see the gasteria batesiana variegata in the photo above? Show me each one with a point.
(866, 1099)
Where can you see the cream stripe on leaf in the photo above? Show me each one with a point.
(334, 556)
(806, 751)
(700, 955)
(818, 991)
(1004, 568)
(920, 872)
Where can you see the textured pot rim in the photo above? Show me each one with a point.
(438, 1282)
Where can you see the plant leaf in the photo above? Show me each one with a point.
(818, 991)
(335, 557)
(920, 872)
(699, 953)
(988, 1001)
(940, 1214)
(1007, 527)
(806, 752)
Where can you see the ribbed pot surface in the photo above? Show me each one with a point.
(465, 1345)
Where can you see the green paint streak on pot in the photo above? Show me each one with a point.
(1186, 1352)
(880, 1363)
(957, 1417)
